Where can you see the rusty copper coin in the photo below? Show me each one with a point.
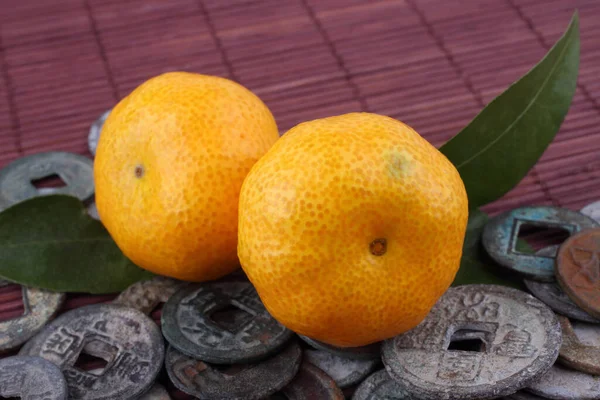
(129, 342)
(31, 378)
(578, 270)
(310, 383)
(40, 306)
(238, 381)
(501, 233)
(222, 322)
(516, 337)
(17, 179)
(554, 297)
(561, 383)
(144, 296)
(95, 130)
(580, 348)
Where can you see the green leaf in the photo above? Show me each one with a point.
(50, 242)
(476, 266)
(505, 140)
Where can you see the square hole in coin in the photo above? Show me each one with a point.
(45, 184)
(468, 340)
(95, 356)
(534, 237)
(12, 305)
(230, 317)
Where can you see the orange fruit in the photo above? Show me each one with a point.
(169, 166)
(351, 228)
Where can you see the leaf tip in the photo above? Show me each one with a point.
(574, 20)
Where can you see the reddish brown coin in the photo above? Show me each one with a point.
(580, 349)
(578, 269)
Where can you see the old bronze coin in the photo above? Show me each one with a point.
(592, 210)
(578, 270)
(222, 322)
(309, 384)
(238, 381)
(368, 352)
(156, 392)
(144, 296)
(129, 341)
(478, 342)
(561, 383)
(344, 371)
(39, 306)
(554, 297)
(31, 378)
(380, 385)
(95, 130)
(500, 236)
(580, 348)
(17, 177)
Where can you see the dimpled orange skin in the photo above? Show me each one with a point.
(313, 205)
(192, 138)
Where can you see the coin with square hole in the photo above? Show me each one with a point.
(368, 352)
(500, 236)
(222, 322)
(380, 385)
(95, 130)
(156, 392)
(561, 383)
(554, 297)
(578, 270)
(39, 307)
(237, 381)
(145, 296)
(592, 210)
(478, 342)
(580, 348)
(31, 378)
(20, 180)
(106, 352)
(344, 371)
(310, 383)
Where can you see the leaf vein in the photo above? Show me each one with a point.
(531, 104)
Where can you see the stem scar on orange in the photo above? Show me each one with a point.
(169, 166)
(351, 228)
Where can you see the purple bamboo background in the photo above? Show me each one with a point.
(430, 63)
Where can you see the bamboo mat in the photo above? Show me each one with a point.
(430, 63)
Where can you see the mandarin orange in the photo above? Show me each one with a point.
(169, 166)
(351, 228)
